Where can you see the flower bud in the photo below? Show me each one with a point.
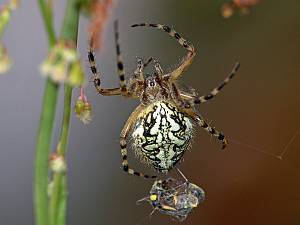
(83, 111)
(57, 163)
(5, 61)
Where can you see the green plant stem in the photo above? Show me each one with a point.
(42, 153)
(58, 199)
(69, 30)
(66, 121)
(55, 197)
(44, 134)
(46, 12)
(57, 205)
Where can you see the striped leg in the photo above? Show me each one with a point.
(123, 143)
(215, 91)
(158, 68)
(138, 76)
(120, 64)
(189, 47)
(147, 62)
(96, 78)
(138, 73)
(142, 65)
(201, 122)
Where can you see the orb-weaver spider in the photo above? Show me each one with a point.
(162, 125)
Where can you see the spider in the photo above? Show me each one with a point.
(161, 127)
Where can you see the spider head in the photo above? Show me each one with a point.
(154, 88)
(152, 82)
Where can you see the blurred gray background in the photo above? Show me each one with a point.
(260, 107)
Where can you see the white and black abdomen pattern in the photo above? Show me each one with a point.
(162, 134)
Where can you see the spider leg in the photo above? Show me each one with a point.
(138, 73)
(136, 81)
(120, 64)
(141, 65)
(158, 68)
(147, 62)
(174, 75)
(96, 78)
(201, 122)
(123, 143)
(214, 92)
(122, 90)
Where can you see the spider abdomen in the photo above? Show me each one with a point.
(161, 135)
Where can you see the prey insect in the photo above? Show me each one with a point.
(161, 127)
(175, 198)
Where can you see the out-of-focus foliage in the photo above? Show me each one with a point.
(5, 15)
(63, 65)
(243, 6)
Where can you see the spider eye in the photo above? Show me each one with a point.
(152, 84)
(140, 61)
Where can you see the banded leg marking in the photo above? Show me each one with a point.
(123, 144)
(158, 68)
(215, 91)
(96, 77)
(138, 74)
(140, 67)
(201, 122)
(183, 42)
(120, 64)
(147, 62)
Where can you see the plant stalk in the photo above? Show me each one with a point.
(57, 204)
(69, 32)
(44, 135)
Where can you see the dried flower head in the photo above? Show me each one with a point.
(227, 10)
(83, 109)
(99, 10)
(5, 14)
(242, 5)
(57, 163)
(5, 61)
(63, 65)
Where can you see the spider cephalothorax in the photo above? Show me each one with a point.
(154, 89)
(162, 124)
